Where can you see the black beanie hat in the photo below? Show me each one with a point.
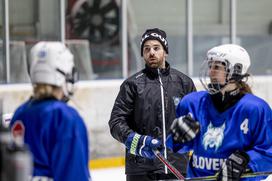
(154, 34)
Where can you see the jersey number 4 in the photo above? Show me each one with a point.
(244, 126)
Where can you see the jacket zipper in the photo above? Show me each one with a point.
(163, 121)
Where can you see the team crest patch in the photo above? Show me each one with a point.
(213, 137)
(176, 100)
(18, 129)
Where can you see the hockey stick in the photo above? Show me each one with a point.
(168, 165)
(213, 177)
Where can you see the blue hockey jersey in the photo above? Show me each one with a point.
(57, 138)
(245, 126)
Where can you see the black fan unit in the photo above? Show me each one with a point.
(95, 20)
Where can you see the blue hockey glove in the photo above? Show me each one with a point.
(184, 129)
(233, 167)
(142, 145)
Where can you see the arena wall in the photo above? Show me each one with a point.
(94, 101)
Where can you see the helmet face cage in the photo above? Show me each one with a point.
(70, 79)
(235, 61)
(214, 82)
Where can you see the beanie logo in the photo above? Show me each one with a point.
(156, 36)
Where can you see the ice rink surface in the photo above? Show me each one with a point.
(118, 174)
(109, 174)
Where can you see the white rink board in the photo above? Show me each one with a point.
(94, 101)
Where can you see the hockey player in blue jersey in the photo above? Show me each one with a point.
(227, 128)
(54, 131)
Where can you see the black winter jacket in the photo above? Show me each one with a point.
(138, 108)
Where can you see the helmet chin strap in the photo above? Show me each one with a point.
(215, 87)
(65, 99)
(67, 91)
(225, 90)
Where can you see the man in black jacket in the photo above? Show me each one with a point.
(145, 108)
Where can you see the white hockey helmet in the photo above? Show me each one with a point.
(235, 59)
(52, 63)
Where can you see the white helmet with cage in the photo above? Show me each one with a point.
(235, 60)
(52, 63)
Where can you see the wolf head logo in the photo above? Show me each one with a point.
(213, 137)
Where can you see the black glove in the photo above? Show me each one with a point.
(233, 167)
(184, 129)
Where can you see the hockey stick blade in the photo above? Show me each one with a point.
(168, 165)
